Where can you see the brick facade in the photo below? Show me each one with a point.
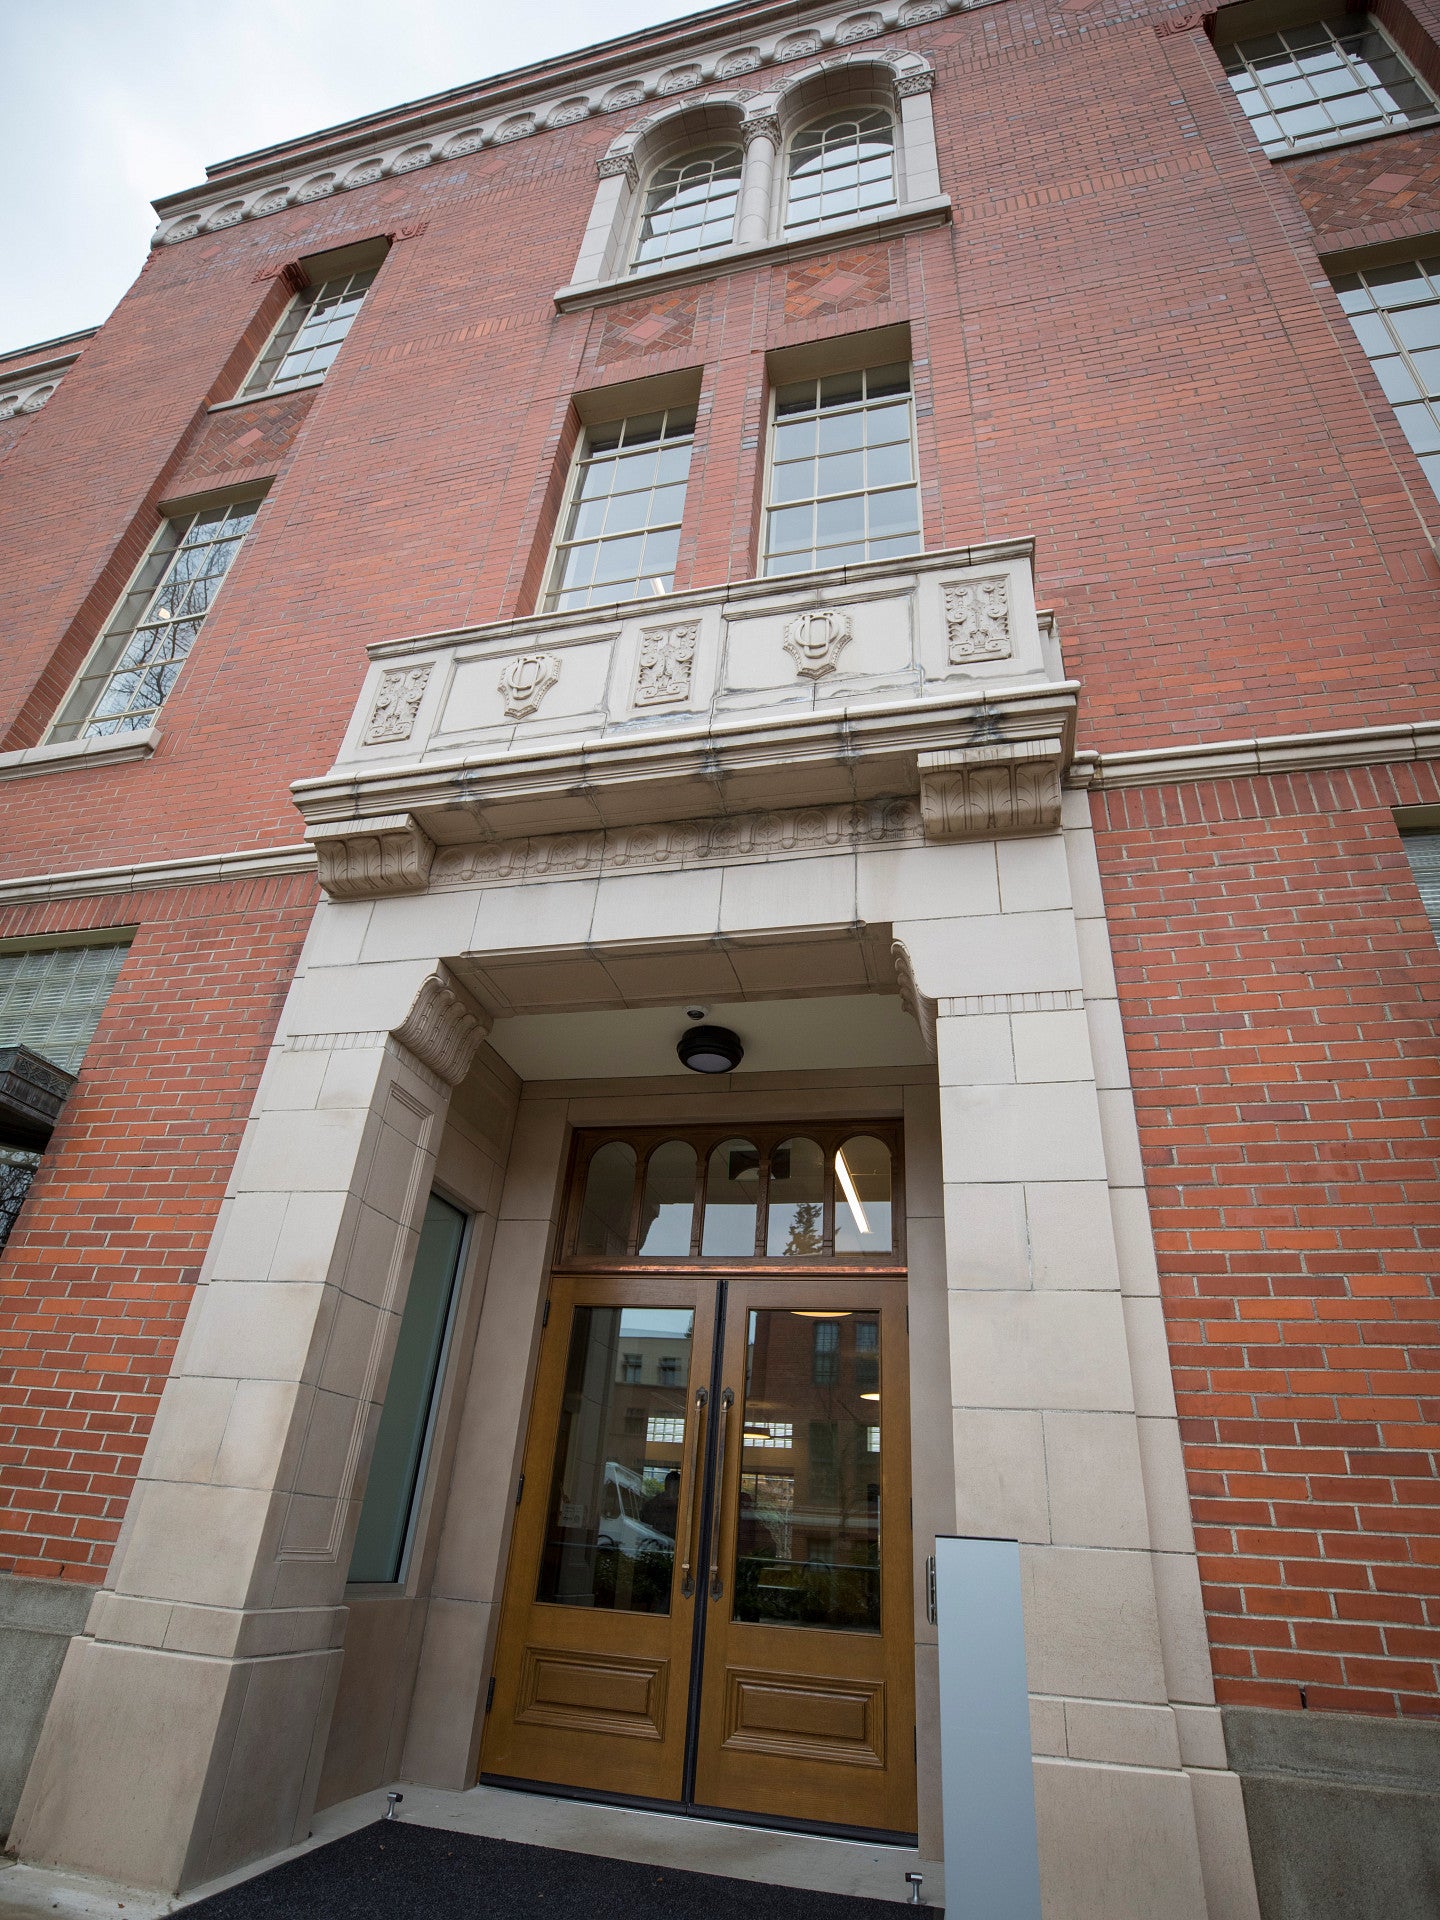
(1123, 346)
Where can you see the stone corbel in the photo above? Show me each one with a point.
(919, 1006)
(976, 793)
(444, 1028)
(367, 859)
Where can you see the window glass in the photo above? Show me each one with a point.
(795, 1216)
(690, 207)
(842, 472)
(621, 529)
(309, 337)
(1395, 312)
(668, 1208)
(405, 1419)
(614, 1494)
(732, 1195)
(1307, 86)
(862, 1196)
(841, 167)
(127, 679)
(609, 1193)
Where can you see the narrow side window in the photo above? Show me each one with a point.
(620, 530)
(310, 333)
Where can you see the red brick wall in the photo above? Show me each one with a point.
(1279, 983)
(98, 1271)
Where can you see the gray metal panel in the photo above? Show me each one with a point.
(992, 1861)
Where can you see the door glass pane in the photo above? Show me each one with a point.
(862, 1196)
(732, 1196)
(404, 1426)
(615, 1492)
(605, 1210)
(795, 1217)
(669, 1205)
(807, 1524)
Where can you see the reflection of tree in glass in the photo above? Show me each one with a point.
(804, 1231)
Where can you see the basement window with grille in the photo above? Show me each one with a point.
(1423, 852)
(51, 1000)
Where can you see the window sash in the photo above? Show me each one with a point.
(134, 666)
(310, 333)
(840, 167)
(842, 483)
(690, 207)
(1310, 86)
(620, 527)
(1395, 312)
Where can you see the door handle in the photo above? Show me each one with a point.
(690, 1525)
(717, 1584)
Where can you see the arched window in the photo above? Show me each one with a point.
(609, 1196)
(690, 207)
(841, 166)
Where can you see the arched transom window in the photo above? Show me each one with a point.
(841, 166)
(690, 207)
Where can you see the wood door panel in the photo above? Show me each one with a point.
(592, 1693)
(806, 1717)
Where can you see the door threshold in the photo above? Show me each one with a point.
(691, 1810)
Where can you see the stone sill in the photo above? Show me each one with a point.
(67, 756)
(1353, 140)
(913, 217)
(270, 393)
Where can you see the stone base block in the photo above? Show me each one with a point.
(37, 1620)
(1117, 1843)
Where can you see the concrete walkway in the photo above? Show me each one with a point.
(619, 1833)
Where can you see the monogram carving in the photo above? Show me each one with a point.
(667, 660)
(526, 681)
(977, 617)
(393, 715)
(813, 640)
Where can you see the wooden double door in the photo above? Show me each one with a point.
(708, 1601)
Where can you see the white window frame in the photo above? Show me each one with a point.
(561, 543)
(310, 294)
(1337, 136)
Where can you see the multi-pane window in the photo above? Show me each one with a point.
(51, 1000)
(621, 528)
(1307, 86)
(310, 335)
(690, 207)
(125, 682)
(1395, 311)
(842, 472)
(841, 167)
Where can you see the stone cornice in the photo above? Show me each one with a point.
(1265, 754)
(681, 60)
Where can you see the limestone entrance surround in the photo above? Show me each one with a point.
(917, 848)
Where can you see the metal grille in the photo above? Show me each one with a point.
(1312, 85)
(842, 472)
(51, 1001)
(129, 676)
(622, 526)
(842, 166)
(1395, 312)
(690, 207)
(17, 1170)
(311, 334)
(1424, 852)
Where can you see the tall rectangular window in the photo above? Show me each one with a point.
(311, 333)
(127, 678)
(620, 530)
(842, 482)
(1311, 86)
(402, 1439)
(51, 999)
(1395, 312)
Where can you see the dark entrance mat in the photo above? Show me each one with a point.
(395, 1871)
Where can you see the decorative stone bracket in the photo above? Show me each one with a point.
(920, 1007)
(444, 1028)
(32, 1092)
(976, 793)
(366, 859)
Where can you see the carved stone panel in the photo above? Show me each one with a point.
(526, 681)
(396, 704)
(814, 639)
(976, 793)
(667, 661)
(977, 617)
(365, 859)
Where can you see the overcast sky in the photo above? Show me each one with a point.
(110, 103)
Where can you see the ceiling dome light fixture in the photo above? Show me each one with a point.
(710, 1050)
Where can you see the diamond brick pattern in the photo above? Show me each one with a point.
(659, 326)
(859, 276)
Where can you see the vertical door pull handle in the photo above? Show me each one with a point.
(690, 1523)
(717, 1583)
